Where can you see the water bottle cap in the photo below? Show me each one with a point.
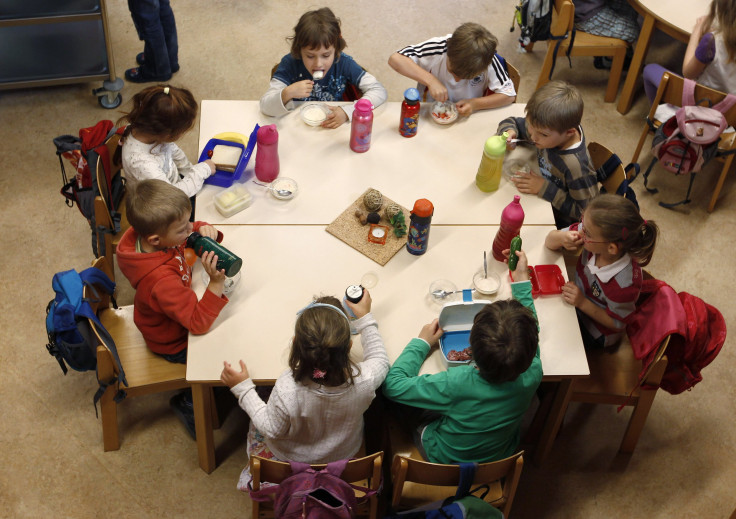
(411, 94)
(363, 105)
(423, 208)
(496, 145)
(267, 134)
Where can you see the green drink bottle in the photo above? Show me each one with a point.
(225, 259)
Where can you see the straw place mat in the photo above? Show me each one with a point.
(348, 228)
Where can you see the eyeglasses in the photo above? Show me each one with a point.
(586, 239)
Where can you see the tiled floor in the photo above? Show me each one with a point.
(51, 449)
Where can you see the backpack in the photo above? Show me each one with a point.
(71, 339)
(84, 152)
(624, 188)
(463, 505)
(697, 331)
(688, 139)
(534, 18)
(313, 494)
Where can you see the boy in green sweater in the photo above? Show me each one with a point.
(473, 413)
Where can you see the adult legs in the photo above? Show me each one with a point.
(155, 24)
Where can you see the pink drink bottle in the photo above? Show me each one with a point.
(512, 218)
(362, 126)
(267, 153)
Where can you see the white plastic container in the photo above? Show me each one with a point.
(456, 319)
(233, 200)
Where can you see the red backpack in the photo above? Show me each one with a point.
(697, 331)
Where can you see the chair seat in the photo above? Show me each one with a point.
(586, 44)
(612, 374)
(414, 495)
(142, 366)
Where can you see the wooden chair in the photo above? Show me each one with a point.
(365, 471)
(416, 482)
(670, 91)
(107, 238)
(563, 21)
(514, 76)
(146, 372)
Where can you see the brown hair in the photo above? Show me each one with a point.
(165, 115)
(504, 340)
(152, 205)
(315, 29)
(620, 222)
(557, 106)
(722, 19)
(470, 50)
(322, 341)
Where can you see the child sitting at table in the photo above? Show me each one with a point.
(568, 179)
(616, 243)
(315, 411)
(316, 69)
(161, 114)
(151, 255)
(473, 413)
(461, 67)
(710, 57)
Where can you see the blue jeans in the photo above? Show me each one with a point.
(155, 24)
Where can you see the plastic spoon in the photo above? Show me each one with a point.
(441, 294)
(281, 192)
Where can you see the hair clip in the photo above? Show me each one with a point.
(166, 90)
(318, 374)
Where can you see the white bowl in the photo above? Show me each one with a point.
(444, 113)
(284, 184)
(486, 285)
(314, 113)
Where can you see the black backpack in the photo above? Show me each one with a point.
(534, 18)
(84, 153)
(72, 340)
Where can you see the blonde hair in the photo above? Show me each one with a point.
(318, 28)
(470, 50)
(164, 111)
(322, 342)
(557, 106)
(153, 205)
(722, 19)
(620, 222)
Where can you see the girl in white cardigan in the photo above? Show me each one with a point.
(315, 411)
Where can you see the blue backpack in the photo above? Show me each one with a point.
(71, 339)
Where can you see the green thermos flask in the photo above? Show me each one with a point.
(225, 259)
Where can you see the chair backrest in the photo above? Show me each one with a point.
(670, 91)
(514, 76)
(357, 470)
(113, 147)
(506, 471)
(599, 154)
(103, 301)
(563, 18)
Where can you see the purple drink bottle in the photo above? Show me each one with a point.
(361, 126)
(267, 153)
(512, 219)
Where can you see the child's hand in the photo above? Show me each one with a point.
(530, 183)
(297, 90)
(572, 240)
(522, 265)
(232, 377)
(437, 90)
(465, 107)
(431, 332)
(335, 118)
(571, 294)
(211, 165)
(512, 135)
(217, 277)
(209, 231)
(363, 306)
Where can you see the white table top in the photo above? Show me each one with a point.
(439, 163)
(285, 266)
(679, 14)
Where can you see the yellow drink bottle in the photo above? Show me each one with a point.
(491, 163)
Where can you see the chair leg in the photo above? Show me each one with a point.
(547, 65)
(109, 410)
(719, 184)
(640, 144)
(614, 79)
(637, 421)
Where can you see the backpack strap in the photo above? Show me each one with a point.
(725, 104)
(688, 92)
(467, 474)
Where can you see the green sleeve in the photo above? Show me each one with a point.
(522, 292)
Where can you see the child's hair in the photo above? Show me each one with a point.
(320, 350)
(620, 222)
(557, 106)
(504, 340)
(315, 29)
(152, 205)
(722, 18)
(164, 111)
(470, 50)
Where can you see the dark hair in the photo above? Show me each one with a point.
(318, 28)
(556, 105)
(470, 50)
(504, 340)
(322, 341)
(152, 205)
(620, 222)
(164, 111)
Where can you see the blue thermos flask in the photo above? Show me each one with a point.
(421, 217)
